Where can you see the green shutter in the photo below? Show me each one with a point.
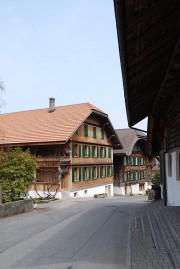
(92, 151)
(73, 174)
(100, 171)
(79, 150)
(101, 152)
(80, 174)
(93, 172)
(104, 152)
(73, 150)
(102, 134)
(85, 130)
(97, 171)
(84, 173)
(97, 152)
(105, 167)
(89, 172)
(83, 150)
(94, 132)
(109, 152)
(89, 153)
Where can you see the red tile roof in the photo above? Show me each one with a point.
(40, 126)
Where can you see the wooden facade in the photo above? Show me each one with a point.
(149, 44)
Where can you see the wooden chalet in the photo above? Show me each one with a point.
(149, 45)
(73, 145)
(132, 172)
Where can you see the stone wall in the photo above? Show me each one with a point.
(14, 208)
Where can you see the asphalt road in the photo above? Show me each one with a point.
(71, 234)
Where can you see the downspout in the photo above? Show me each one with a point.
(163, 172)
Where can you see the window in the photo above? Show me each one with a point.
(102, 134)
(76, 150)
(141, 187)
(85, 151)
(169, 165)
(94, 132)
(75, 174)
(85, 130)
(108, 171)
(84, 173)
(101, 152)
(94, 151)
(94, 172)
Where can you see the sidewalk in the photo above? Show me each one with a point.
(155, 237)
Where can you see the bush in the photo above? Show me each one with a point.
(16, 173)
(156, 180)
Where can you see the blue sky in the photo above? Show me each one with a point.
(66, 49)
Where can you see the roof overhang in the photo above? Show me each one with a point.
(148, 37)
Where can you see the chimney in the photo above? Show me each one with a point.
(51, 104)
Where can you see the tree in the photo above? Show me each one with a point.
(17, 172)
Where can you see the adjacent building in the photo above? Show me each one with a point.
(149, 45)
(132, 172)
(73, 145)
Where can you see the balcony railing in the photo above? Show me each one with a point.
(53, 161)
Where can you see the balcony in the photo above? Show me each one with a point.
(56, 161)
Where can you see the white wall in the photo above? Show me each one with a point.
(135, 189)
(90, 192)
(173, 182)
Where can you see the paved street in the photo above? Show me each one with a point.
(78, 233)
(108, 233)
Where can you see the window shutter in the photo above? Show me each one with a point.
(102, 134)
(79, 173)
(73, 174)
(101, 152)
(97, 171)
(83, 150)
(89, 153)
(105, 167)
(109, 154)
(92, 151)
(94, 132)
(97, 152)
(84, 173)
(93, 172)
(79, 150)
(89, 172)
(104, 152)
(100, 171)
(73, 150)
(85, 130)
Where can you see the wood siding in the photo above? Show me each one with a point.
(173, 125)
